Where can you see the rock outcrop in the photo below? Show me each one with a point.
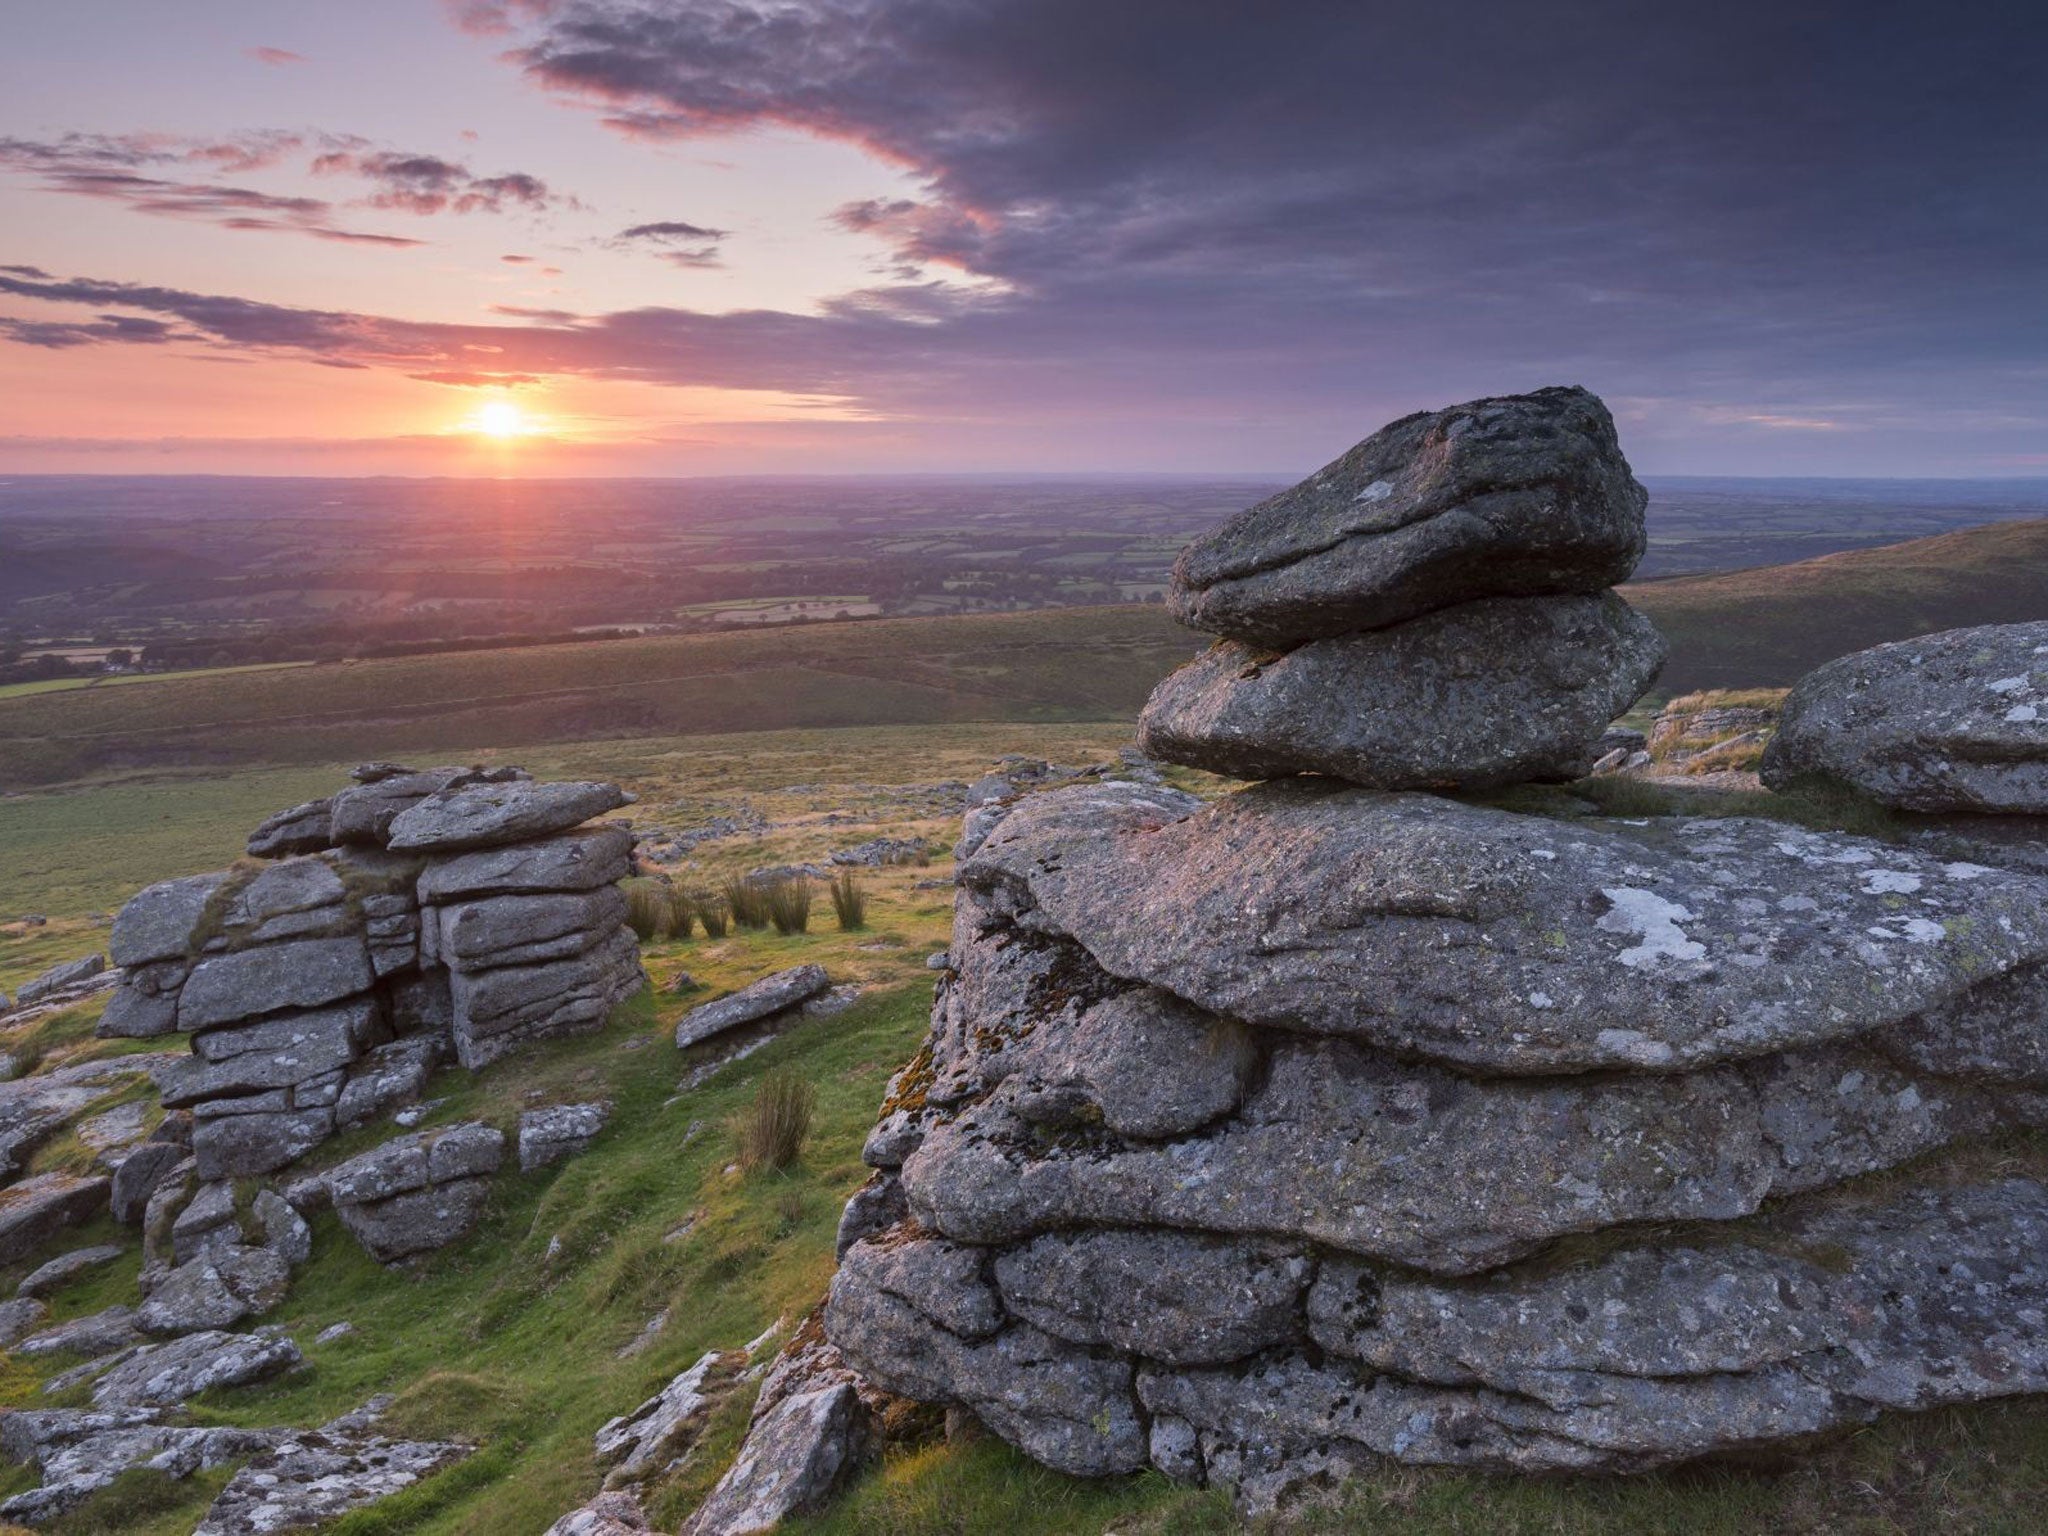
(441, 912)
(1956, 721)
(763, 999)
(1261, 1140)
(1428, 612)
(417, 1193)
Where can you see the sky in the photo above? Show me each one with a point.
(677, 237)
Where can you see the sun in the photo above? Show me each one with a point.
(500, 419)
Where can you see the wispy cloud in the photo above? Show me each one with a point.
(429, 184)
(676, 241)
(275, 56)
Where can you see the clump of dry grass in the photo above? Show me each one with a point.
(772, 1129)
(713, 911)
(747, 901)
(646, 910)
(849, 901)
(679, 914)
(788, 904)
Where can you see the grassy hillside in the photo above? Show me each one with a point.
(1063, 664)
(1766, 627)
(1743, 629)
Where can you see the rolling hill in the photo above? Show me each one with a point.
(1756, 627)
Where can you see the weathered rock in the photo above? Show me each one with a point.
(1510, 496)
(756, 1001)
(1654, 1355)
(141, 1171)
(387, 1077)
(418, 1192)
(79, 1453)
(208, 1221)
(163, 1375)
(639, 1444)
(66, 1267)
(285, 1232)
(20, 1317)
(280, 1051)
(159, 923)
(134, 1012)
(560, 1130)
(33, 1109)
(1549, 946)
(1444, 1172)
(1060, 1403)
(59, 979)
(247, 983)
(296, 899)
(609, 1514)
(524, 930)
(305, 828)
(1179, 1298)
(1956, 721)
(245, 1145)
(306, 1479)
(364, 812)
(487, 815)
(219, 1289)
(578, 860)
(812, 1425)
(91, 1337)
(1484, 694)
(36, 1209)
(499, 1009)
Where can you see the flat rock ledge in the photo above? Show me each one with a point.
(763, 999)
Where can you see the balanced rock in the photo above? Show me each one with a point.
(1487, 693)
(1508, 496)
(577, 860)
(1956, 721)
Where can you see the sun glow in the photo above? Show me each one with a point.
(500, 419)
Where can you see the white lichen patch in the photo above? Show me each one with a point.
(1966, 871)
(1379, 490)
(2022, 714)
(1890, 882)
(1652, 920)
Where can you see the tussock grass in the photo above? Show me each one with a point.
(713, 911)
(1728, 698)
(679, 915)
(773, 1128)
(747, 900)
(788, 904)
(849, 901)
(646, 910)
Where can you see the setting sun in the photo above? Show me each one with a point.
(500, 418)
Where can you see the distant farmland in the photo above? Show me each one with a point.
(1763, 626)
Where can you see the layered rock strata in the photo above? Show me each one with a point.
(412, 916)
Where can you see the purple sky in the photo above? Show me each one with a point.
(1188, 235)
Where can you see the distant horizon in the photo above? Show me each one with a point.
(965, 476)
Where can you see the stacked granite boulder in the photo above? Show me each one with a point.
(1261, 1139)
(1428, 612)
(411, 916)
